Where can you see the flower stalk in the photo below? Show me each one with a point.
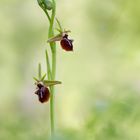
(51, 67)
(53, 72)
(45, 88)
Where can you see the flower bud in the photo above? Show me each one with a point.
(40, 2)
(48, 4)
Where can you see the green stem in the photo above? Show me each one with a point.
(53, 72)
(52, 100)
(51, 69)
(51, 76)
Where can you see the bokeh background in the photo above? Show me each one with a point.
(100, 95)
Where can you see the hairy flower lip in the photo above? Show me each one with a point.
(43, 93)
(66, 44)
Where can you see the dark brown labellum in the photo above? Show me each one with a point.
(66, 43)
(43, 93)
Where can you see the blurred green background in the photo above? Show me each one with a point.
(100, 95)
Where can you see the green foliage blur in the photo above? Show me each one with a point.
(99, 98)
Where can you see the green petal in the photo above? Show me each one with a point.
(55, 38)
(35, 79)
(43, 77)
(51, 83)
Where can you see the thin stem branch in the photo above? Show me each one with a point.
(46, 12)
(48, 66)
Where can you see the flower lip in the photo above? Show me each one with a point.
(66, 43)
(43, 93)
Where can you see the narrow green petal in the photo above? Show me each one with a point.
(35, 79)
(55, 38)
(51, 83)
(43, 77)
